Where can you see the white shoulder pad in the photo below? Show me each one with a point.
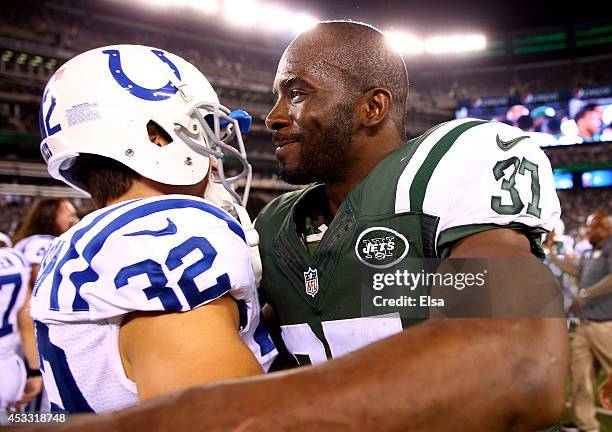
(170, 253)
(12, 261)
(34, 247)
(472, 172)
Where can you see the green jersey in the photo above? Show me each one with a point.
(459, 178)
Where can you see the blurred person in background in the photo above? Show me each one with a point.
(583, 245)
(525, 123)
(560, 245)
(541, 117)
(592, 342)
(46, 220)
(20, 377)
(515, 112)
(588, 121)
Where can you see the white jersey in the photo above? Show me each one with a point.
(171, 253)
(14, 280)
(35, 247)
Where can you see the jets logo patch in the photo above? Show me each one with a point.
(311, 282)
(380, 247)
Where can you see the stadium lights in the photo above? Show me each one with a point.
(251, 14)
(207, 6)
(302, 22)
(274, 17)
(241, 12)
(407, 44)
(36, 61)
(404, 43)
(459, 43)
(270, 16)
(161, 3)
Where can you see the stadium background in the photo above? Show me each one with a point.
(535, 56)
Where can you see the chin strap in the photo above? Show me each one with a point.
(217, 194)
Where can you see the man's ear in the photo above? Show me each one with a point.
(375, 106)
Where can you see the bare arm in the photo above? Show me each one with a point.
(28, 344)
(26, 330)
(163, 353)
(603, 287)
(565, 264)
(481, 374)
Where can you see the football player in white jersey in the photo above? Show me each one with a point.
(19, 375)
(155, 291)
(45, 220)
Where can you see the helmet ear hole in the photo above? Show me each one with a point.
(157, 134)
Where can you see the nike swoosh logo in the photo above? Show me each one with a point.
(507, 145)
(169, 230)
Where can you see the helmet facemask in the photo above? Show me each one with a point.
(219, 128)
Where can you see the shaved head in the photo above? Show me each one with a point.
(360, 56)
(341, 103)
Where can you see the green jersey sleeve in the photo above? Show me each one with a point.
(475, 175)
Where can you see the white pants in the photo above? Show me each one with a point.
(12, 381)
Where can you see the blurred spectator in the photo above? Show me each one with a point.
(553, 127)
(541, 117)
(588, 121)
(592, 341)
(51, 217)
(45, 220)
(560, 245)
(525, 123)
(515, 112)
(583, 245)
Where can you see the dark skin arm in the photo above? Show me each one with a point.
(482, 374)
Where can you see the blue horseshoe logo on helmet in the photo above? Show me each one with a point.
(162, 93)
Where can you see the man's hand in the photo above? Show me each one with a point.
(578, 305)
(32, 389)
(605, 393)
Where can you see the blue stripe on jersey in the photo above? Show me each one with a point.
(11, 279)
(262, 337)
(71, 397)
(71, 254)
(96, 243)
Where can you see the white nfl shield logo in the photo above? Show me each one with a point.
(311, 281)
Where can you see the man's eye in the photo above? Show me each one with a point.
(296, 94)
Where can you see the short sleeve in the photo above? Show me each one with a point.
(476, 175)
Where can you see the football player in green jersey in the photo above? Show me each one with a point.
(465, 189)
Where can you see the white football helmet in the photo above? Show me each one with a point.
(101, 101)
